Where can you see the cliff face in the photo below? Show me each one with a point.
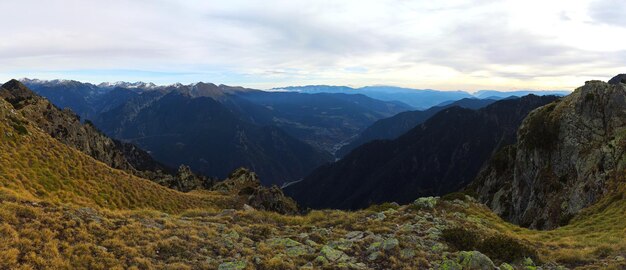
(567, 155)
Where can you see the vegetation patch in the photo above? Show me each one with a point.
(542, 130)
(497, 247)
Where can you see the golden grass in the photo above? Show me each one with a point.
(35, 166)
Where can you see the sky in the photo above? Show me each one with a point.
(446, 45)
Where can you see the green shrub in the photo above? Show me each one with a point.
(460, 238)
(498, 247)
(383, 206)
(506, 249)
(454, 196)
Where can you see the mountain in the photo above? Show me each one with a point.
(570, 154)
(324, 120)
(62, 209)
(504, 94)
(439, 156)
(66, 127)
(418, 98)
(393, 127)
(202, 133)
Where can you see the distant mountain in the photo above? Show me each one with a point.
(439, 156)
(504, 94)
(418, 98)
(393, 127)
(203, 133)
(66, 127)
(324, 120)
(570, 154)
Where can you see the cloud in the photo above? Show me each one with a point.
(428, 44)
(612, 12)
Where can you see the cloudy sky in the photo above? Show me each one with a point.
(455, 44)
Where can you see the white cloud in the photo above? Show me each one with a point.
(459, 44)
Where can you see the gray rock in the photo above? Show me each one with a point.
(475, 260)
(390, 244)
(426, 203)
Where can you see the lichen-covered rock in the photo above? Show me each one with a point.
(474, 260)
(565, 155)
(333, 255)
(246, 184)
(449, 264)
(390, 244)
(236, 265)
(426, 203)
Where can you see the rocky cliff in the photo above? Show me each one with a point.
(568, 154)
(246, 184)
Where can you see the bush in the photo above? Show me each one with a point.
(498, 247)
(504, 248)
(454, 196)
(383, 206)
(460, 238)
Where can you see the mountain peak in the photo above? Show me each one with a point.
(621, 78)
(15, 92)
(14, 85)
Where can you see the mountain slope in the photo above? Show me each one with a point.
(201, 132)
(393, 127)
(66, 127)
(36, 166)
(569, 155)
(440, 156)
(323, 120)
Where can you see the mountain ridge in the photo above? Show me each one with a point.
(441, 155)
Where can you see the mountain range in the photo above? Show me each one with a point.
(215, 129)
(440, 156)
(420, 99)
(393, 127)
(548, 163)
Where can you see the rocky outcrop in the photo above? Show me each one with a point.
(66, 127)
(246, 184)
(621, 78)
(567, 154)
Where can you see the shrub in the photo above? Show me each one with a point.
(454, 196)
(460, 238)
(498, 247)
(504, 248)
(383, 206)
(542, 131)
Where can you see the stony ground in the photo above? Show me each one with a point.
(40, 235)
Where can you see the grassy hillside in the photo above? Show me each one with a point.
(35, 166)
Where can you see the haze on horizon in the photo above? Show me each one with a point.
(447, 45)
